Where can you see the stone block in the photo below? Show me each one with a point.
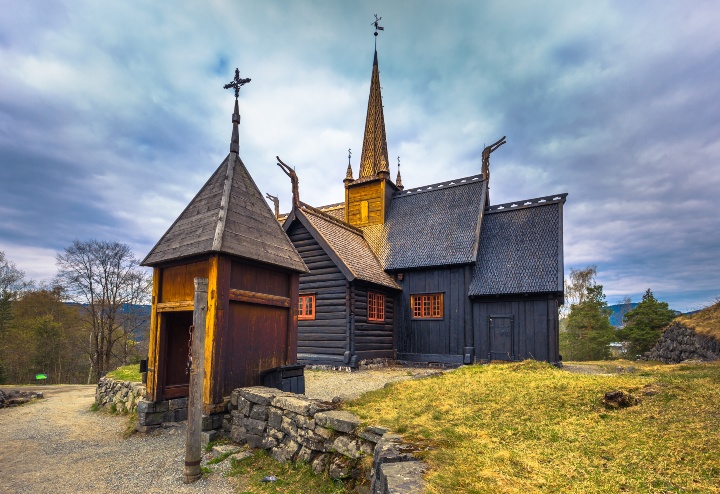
(320, 463)
(269, 442)
(347, 446)
(272, 432)
(227, 422)
(181, 414)
(286, 450)
(296, 404)
(324, 432)
(244, 406)
(377, 429)
(305, 455)
(311, 440)
(304, 422)
(168, 416)
(259, 412)
(339, 420)
(253, 440)
(145, 406)
(148, 418)
(238, 434)
(288, 427)
(208, 436)
(254, 426)
(275, 417)
(178, 403)
(259, 394)
(234, 397)
(369, 436)
(401, 478)
(340, 468)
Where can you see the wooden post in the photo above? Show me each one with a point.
(193, 448)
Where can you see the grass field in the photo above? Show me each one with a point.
(126, 373)
(529, 427)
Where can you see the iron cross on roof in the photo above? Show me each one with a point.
(236, 83)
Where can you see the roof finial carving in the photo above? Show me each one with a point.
(236, 84)
(276, 203)
(398, 180)
(377, 28)
(349, 173)
(486, 157)
(290, 172)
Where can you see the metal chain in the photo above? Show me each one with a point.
(189, 359)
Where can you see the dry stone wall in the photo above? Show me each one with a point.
(679, 343)
(296, 428)
(121, 396)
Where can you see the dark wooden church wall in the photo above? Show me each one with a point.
(435, 340)
(371, 339)
(534, 323)
(325, 337)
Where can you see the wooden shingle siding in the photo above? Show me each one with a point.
(534, 326)
(371, 339)
(323, 339)
(446, 336)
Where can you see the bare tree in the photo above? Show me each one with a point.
(104, 279)
(576, 287)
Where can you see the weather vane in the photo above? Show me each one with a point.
(377, 27)
(236, 83)
(349, 154)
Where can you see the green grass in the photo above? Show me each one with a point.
(292, 478)
(529, 427)
(126, 373)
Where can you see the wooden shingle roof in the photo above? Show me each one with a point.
(433, 225)
(521, 248)
(344, 244)
(229, 215)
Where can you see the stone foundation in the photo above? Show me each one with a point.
(120, 396)
(679, 343)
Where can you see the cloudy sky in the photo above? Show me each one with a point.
(112, 116)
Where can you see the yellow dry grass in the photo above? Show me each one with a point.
(529, 427)
(707, 321)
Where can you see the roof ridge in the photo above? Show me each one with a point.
(439, 186)
(224, 204)
(330, 218)
(527, 203)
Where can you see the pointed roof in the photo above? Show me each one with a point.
(230, 216)
(344, 244)
(374, 158)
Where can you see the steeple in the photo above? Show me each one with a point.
(398, 180)
(236, 84)
(374, 158)
(348, 174)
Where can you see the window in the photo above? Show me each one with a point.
(376, 307)
(306, 306)
(428, 306)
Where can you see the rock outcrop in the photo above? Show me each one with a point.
(679, 343)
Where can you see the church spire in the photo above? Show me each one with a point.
(398, 180)
(348, 174)
(374, 157)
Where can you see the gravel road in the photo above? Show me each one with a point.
(57, 445)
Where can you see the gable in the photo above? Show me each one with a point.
(520, 249)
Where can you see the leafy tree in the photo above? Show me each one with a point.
(103, 278)
(588, 330)
(644, 324)
(576, 287)
(12, 282)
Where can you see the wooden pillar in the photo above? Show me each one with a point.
(193, 446)
(154, 341)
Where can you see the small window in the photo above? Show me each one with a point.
(306, 307)
(427, 306)
(364, 211)
(376, 307)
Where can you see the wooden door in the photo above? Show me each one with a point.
(257, 340)
(175, 328)
(501, 337)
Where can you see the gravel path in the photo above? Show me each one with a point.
(57, 445)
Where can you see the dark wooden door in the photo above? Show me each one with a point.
(175, 329)
(256, 341)
(501, 337)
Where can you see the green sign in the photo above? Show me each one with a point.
(40, 376)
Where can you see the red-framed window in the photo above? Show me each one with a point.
(376, 307)
(306, 306)
(427, 306)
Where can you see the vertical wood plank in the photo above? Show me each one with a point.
(292, 321)
(221, 291)
(193, 450)
(210, 335)
(154, 340)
